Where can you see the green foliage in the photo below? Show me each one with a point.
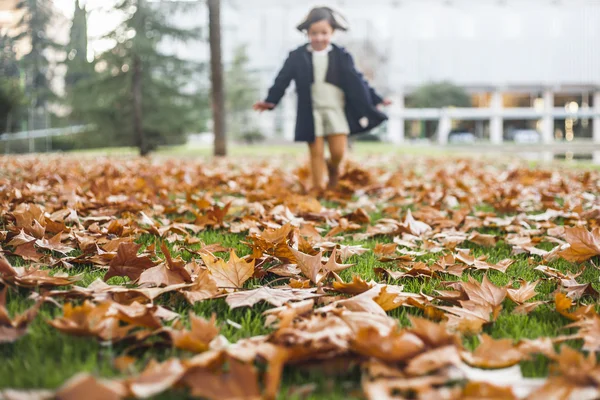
(12, 97)
(240, 94)
(438, 95)
(78, 67)
(169, 106)
(34, 27)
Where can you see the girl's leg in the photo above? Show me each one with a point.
(317, 162)
(337, 148)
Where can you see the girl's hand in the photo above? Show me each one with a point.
(261, 106)
(386, 102)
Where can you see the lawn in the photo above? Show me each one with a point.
(432, 229)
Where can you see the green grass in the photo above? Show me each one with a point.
(45, 358)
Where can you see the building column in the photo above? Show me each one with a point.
(395, 124)
(496, 122)
(548, 119)
(596, 123)
(444, 127)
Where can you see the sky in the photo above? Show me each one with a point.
(101, 19)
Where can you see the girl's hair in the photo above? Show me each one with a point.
(335, 19)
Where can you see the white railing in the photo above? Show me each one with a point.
(42, 133)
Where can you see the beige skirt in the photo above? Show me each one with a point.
(330, 121)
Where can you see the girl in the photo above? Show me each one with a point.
(334, 100)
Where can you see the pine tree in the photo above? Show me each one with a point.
(33, 27)
(241, 93)
(12, 98)
(138, 95)
(77, 65)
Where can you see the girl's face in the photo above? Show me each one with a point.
(320, 34)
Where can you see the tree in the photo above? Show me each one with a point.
(12, 98)
(138, 95)
(34, 26)
(437, 95)
(216, 68)
(77, 64)
(241, 93)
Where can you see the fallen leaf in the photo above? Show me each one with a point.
(230, 274)
(128, 263)
(276, 297)
(199, 337)
(525, 292)
(583, 244)
(493, 353)
(12, 329)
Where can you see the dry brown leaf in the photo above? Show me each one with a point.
(525, 292)
(204, 288)
(229, 274)
(12, 329)
(482, 239)
(310, 266)
(493, 353)
(240, 382)
(128, 263)
(276, 297)
(394, 347)
(357, 286)
(563, 303)
(198, 338)
(583, 244)
(85, 386)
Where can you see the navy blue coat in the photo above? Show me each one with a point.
(361, 99)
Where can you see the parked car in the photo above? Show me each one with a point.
(525, 136)
(461, 137)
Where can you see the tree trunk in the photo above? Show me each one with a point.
(136, 88)
(216, 67)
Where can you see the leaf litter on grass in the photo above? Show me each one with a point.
(300, 257)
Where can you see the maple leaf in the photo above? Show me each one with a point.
(230, 274)
(385, 249)
(332, 265)
(198, 338)
(485, 293)
(433, 334)
(563, 303)
(90, 320)
(364, 301)
(13, 329)
(415, 227)
(310, 266)
(240, 382)
(589, 331)
(54, 244)
(171, 273)
(204, 288)
(84, 385)
(493, 353)
(276, 297)
(525, 292)
(128, 263)
(156, 378)
(433, 360)
(482, 239)
(28, 252)
(357, 286)
(583, 244)
(394, 347)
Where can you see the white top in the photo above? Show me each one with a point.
(324, 94)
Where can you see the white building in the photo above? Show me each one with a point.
(526, 63)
